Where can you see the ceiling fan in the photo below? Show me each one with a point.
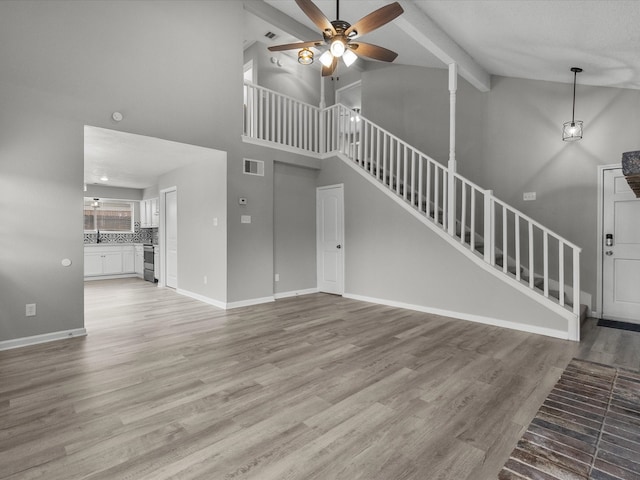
(340, 37)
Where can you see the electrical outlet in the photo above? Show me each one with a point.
(215, 221)
(205, 280)
(30, 310)
(245, 219)
(277, 277)
(528, 196)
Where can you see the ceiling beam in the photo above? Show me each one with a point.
(427, 33)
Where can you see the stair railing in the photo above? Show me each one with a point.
(271, 117)
(502, 236)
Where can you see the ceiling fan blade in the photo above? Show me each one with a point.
(295, 46)
(373, 51)
(328, 71)
(375, 20)
(315, 14)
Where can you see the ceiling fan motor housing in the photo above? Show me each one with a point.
(340, 27)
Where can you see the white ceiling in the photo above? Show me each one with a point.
(535, 39)
(133, 161)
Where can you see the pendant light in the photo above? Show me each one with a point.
(572, 131)
(305, 56)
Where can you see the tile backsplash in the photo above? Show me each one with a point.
(139, 235)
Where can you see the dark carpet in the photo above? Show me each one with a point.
(587, 428)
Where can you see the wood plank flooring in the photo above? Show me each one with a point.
(313, 387)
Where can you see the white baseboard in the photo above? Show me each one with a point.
(44, 338)
(249, 302)
(549, 332)
(295, 293)
(202, 298)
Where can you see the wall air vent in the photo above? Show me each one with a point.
(253, 167)
(270, 35)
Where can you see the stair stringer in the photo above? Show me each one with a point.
(572, 321)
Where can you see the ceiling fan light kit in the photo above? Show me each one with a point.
(339, 37)
(572, 131)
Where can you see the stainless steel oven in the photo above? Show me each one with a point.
(148, 264)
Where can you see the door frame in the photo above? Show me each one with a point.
(344, 252)
(600, 235)
(162, 229)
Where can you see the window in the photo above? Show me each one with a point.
(108, 215)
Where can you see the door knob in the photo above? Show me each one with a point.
(608, 253)
(338, 247)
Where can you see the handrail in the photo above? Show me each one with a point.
(453, 203)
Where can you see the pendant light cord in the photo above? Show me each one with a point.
(573, 112)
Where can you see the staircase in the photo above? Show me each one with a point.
(503, 240)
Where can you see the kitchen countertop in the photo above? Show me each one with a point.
(105, 244)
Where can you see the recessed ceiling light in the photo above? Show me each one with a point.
(104, 178)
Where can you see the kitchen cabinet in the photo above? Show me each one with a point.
(138, 260)
(128, 262)
(106, 260)
(150, 213)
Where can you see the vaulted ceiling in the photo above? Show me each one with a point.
(534, 39)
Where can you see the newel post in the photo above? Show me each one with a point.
(323, 119)
(451, 190)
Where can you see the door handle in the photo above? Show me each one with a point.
(608, 253)
(338, 247)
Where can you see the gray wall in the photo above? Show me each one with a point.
(202, 247)
(509, 140)
(294, 227)
(390, 255)
(301, 82)
(67, 64)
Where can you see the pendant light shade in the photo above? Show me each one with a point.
(572, 131)
(305, 56)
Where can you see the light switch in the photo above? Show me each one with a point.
(528, 196)
(215, 221)
(245, 219)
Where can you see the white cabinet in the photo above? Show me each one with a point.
(92, 263)
(128, 262)
(149, 213)
(138, 260)
(106, 260)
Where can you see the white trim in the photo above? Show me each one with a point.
(549, 332)
(295, 293)
(111, 277)
(279, 146)
(250, 301)
(44, 338)
(599, 232)
(202, 298)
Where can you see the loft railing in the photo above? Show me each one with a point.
(502, 236)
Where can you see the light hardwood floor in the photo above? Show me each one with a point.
(314, 387)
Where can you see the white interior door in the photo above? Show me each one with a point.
(621, 259)
(330, 244)
(171, 237)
